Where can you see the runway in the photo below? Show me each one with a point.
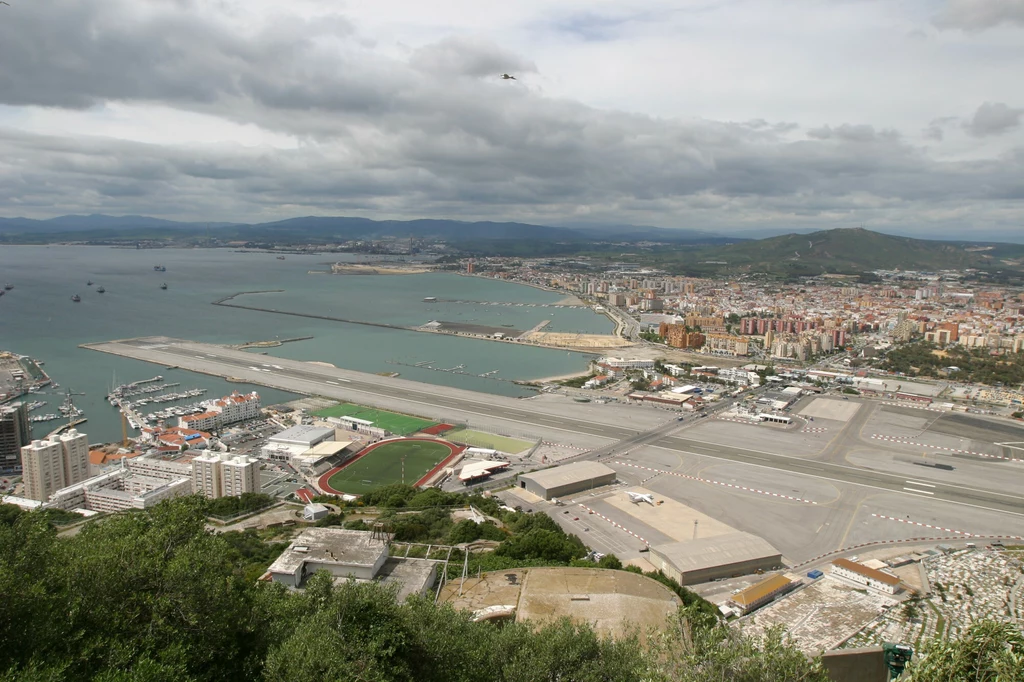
(605, 422)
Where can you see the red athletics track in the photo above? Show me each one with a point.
(456, 450)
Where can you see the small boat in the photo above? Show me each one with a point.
(89, 283)
(164, 285)
(76, 298)
(8, 287)
(100, 290)
(280, 258)
(159, 268)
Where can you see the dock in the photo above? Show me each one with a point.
(507, 304)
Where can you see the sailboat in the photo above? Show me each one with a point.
(100, 290)
(164, 285)
(89, 283)
(76, 298)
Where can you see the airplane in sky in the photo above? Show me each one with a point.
(637, 498)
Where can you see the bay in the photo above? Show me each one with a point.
(38, 318)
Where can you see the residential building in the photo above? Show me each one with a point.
(861, 575)
(55, 463)
(225, 475)
(227, 410)
(14, 435)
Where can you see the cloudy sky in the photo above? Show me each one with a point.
(725, 115)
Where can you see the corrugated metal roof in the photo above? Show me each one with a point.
(761, 590)
(720, 550)
(577, 472)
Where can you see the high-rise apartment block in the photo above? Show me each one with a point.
(14, 435)
(49, 465)
(224, 475)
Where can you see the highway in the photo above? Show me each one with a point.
(648, 426)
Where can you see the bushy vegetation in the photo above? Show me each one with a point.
(973, 364)
(152, 596)
(577, 382)
(227, 507)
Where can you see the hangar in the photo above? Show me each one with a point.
(567, 480)
(722, 556)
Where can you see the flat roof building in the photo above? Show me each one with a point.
(722, 556)
(351, 554)
(304, 435)
(567, 479)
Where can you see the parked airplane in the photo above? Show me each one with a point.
(637, 498)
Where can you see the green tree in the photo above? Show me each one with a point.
(986, 652)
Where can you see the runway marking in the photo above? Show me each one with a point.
(614, 523)
(560, 445)
(923, 492)
(814, 429)
(948, 530)
(713, 482)
(333, 383)
(926, 485)
(899, 440)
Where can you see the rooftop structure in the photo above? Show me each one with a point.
(304, 435)
(761, 593)
(722, 556)
(345, 554)
(863, 575)
(567, 480)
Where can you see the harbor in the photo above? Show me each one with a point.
(136, 417)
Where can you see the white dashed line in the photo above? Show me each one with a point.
(713, 482)
(904, 441)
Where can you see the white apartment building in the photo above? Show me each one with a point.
(159, 468)
(223, 475)
(227, 410)
(119, 490)
(862, 575)
(623, 363)
(49, 465)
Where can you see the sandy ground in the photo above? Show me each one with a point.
(565, 340)
(612, 601)
(670, 517)
(339, 269)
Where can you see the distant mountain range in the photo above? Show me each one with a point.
(696, 251)
(849, 250)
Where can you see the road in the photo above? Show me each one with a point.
(601, 421)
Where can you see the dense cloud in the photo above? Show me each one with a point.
(994, 118)
(428, 131)
(977, 15)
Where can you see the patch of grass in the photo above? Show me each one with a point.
(383, 466)
(479, 439)
(401, 424)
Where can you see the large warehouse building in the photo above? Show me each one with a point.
(721, 556)
(567, 480)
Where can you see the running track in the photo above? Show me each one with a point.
(455, 451)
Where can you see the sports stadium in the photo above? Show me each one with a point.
(400, 460)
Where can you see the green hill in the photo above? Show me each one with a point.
(843, 251)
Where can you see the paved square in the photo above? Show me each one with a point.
(828, 408)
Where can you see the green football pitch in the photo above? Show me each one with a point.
(399, 424)
(382, 465)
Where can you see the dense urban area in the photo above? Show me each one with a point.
(823, 471)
